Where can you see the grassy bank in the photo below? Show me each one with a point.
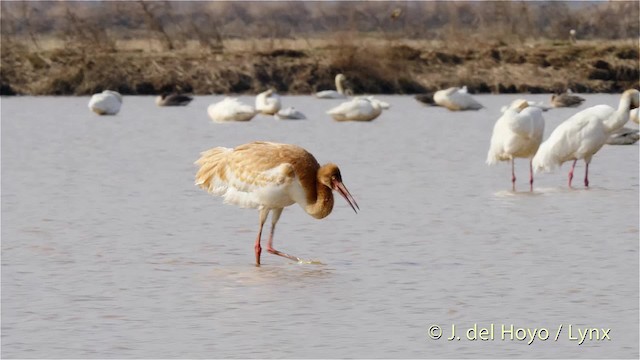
(372, 65)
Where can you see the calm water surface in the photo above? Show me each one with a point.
(110, 251)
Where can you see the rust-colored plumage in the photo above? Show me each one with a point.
(271, 176)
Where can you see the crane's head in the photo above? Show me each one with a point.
(329, 175)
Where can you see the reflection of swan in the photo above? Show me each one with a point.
(358, 109)
(623, 136)
(289, 113)
(107, 102)
(633, 116)
(456, 99)
(167, 99)
(566, 100)
(517, 134)
(516, 102)
(333, 94)
(230, 109)
(583, 134)
(268, 102)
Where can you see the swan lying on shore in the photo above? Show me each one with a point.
(456, 99)
(358, 109)
(339, 93)
(230, 109)
(268, 102)
(107, 102)
(289, 113)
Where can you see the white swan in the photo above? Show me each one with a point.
(624, 136)
(517, 134)
(268, 102)
(633, 116)
(107, 102)
(358, 109)
(583, 134)
(167, 99)
(289, 113)
(540, 105)
(339, 93)
(230, 109)
(456, 99)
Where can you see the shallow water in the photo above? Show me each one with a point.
(110, 251)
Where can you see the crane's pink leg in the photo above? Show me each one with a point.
(513, 176)
(257, 247)
(531, 175)
(274, 219)
(586, 175)
(571, 171)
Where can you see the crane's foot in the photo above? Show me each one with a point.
(280, 253)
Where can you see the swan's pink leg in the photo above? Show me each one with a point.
(586, 176)
(571, 171)
(531, 175)
(513, 176)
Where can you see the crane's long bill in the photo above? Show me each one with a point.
(339, 186)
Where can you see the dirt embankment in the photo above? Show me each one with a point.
(402, 68)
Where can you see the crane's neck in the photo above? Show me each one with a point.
(323, 203)
(620, 116)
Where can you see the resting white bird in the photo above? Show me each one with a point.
(230, 109)
(540, 105)
(268, 102)
(339, 93)
(289, 113)
(358, 109)
(456, 99)
(583, 134)
(566, 99)
(624, 136)
(517, 134)
(107, 102)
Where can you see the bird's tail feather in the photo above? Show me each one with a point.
(211, 175)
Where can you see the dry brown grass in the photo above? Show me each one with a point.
(373, 64)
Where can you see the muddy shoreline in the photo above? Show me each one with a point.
(589, 67)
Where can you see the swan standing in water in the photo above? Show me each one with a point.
(456, 99)
(167, 99)
(517, 134)
(583, 134)
(358, 109)
(107, 102)
(339, 93)
(230, 109)
(268, 102)
(289, 113)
